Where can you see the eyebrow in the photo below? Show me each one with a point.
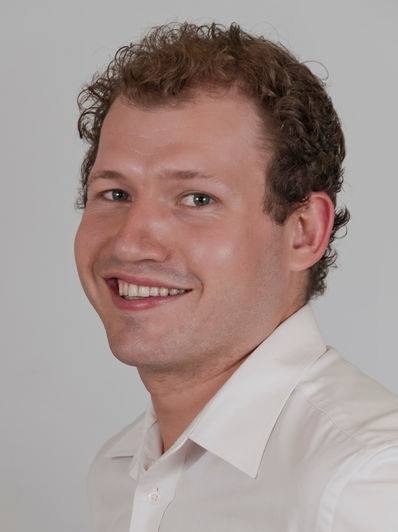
(168, 174)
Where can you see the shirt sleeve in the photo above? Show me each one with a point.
(369, 501)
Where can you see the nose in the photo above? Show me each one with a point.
(143, 233)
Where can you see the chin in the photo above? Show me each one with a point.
(126, 351)
(134, 352)
(143, 356)
(126, 358)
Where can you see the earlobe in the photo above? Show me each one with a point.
(312, 225)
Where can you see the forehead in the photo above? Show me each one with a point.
(217, 128)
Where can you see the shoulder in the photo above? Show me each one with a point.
(355, 403)
(367, 500)
(359, 416)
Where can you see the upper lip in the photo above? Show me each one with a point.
(143, 281)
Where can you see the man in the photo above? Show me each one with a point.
(209, 194)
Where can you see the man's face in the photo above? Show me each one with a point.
(166, 223)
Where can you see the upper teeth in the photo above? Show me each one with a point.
(134, 290)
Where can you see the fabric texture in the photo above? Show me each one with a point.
(297, 440)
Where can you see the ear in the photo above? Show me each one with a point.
(310, 226)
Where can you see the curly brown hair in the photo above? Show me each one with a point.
(173, 60)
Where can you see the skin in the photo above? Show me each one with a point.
(247, 273)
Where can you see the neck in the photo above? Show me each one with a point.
(178, 400)
(178, 396)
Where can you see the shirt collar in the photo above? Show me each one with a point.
(238, 420)
(128, 442)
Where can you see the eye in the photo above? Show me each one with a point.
(199, 199)
(115, 194)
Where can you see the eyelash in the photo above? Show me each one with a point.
(102, 194)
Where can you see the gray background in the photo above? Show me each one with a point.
(62, 391)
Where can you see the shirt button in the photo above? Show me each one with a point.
(153, 496)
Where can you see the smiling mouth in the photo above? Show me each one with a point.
(114, 286)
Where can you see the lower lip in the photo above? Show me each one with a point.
(139, 304)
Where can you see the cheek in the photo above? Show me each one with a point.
(219, 253)
(242, 257)
(85, 242)
(79, 249)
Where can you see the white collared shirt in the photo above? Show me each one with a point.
(296, 440)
